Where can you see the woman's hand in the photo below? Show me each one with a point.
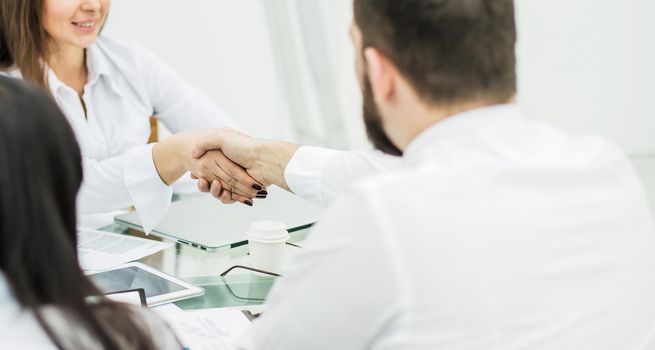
(230, 182)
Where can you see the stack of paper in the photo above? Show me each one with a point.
(100, 250)
(207, 329)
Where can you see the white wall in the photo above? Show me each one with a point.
(220, 46)
(589, 65)
(584, 65)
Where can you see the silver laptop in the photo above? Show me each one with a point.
(204, 222)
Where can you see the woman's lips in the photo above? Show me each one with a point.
(86, 26)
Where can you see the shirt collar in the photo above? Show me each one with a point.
(53, 81)
(461, 124)
(97, 66)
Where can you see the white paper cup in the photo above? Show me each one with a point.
(266, 241)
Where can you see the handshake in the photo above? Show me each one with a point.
(230, 165)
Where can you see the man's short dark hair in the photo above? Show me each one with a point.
(451, 51)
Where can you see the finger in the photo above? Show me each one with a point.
(203, 185)
(194, 177)
(243, 200)
(231, 197)
(226, 197)
(216, 189)
(233, 189)
(245, 184)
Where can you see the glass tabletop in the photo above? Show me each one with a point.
(240, 288)
(229, 291)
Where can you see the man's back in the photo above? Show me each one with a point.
(500, 233)
(527, 238)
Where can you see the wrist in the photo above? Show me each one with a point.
(171, 157)
(272, 157)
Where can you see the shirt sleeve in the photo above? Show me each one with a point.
(342, 293)
(122, 181)
(319, 175)
(180, 106)
(132, 179)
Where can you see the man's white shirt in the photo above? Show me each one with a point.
(496, 232)
(320, 174)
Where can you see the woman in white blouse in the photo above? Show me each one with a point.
(108, 90)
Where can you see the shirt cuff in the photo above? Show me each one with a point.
(150, 195)
(304, 173)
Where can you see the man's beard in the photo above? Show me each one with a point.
(373, 122)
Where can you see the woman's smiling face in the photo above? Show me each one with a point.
(74, 22)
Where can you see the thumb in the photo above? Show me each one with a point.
(198, 153)
(205, 144)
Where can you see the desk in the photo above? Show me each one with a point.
(202, 268)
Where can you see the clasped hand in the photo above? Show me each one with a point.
(231, 166)
(225, 166)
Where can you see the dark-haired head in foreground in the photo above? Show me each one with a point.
(40, 174)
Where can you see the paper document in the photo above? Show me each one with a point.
(100, 250)
(208, 329)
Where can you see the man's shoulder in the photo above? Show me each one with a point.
(447, 172)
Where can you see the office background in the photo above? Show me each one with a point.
(284, 68)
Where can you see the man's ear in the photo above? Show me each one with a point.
(382, 74)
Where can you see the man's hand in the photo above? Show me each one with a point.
(265, 161)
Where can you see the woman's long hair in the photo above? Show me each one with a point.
(23, 40)
(40, 174)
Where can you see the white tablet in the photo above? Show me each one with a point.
(159, 287)
(132, 296)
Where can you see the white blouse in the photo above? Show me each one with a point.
(19, 328)
(126, 86)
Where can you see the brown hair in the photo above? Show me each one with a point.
(451, 51)
(23, 40)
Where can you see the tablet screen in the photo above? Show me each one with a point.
(133, 277)
(134, 297)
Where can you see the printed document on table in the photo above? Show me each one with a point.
(207, 329)
(100, 250)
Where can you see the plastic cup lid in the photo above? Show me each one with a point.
(268, 231)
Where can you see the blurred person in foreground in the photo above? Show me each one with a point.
(44, 295)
